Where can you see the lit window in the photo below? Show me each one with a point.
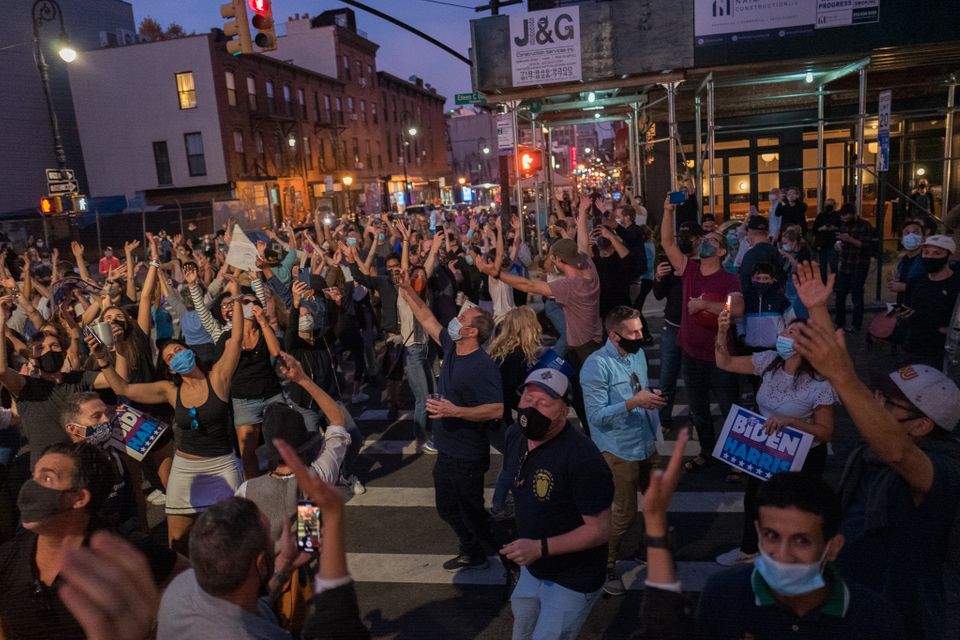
(186, 90)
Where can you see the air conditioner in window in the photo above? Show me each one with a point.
(126, 37)
(362, 82)
(354, 116)
(108, 39)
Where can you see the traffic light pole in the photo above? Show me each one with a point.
(48, 11)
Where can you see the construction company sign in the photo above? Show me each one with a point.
(545, 46)
(731, 21)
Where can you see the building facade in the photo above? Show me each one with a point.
(473, 152)
(25, 133)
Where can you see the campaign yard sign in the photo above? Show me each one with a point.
(743, 444)
(135, 432)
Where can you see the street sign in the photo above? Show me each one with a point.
(883, 130)
(504, 131)
(470, 98)
(62, 182)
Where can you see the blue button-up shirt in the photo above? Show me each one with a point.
(607, 384)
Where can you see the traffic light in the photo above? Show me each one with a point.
(266, 37)
(51, 205)
(238, 28)
(81, 204)
(531, 161)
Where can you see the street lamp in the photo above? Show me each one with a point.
(462, 180)
(347, 181)
(49, 11)
(411, 131)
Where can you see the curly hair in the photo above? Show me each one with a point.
(521, 330)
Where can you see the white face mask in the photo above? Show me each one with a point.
(306, 324)
(248, 310)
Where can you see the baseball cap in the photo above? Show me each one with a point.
(550, 380)
(930, 391)
(758, 223)
(565, 250)
(287, 424)
(941, 242)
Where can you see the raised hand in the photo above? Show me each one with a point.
(190, 274)
(826, 350)
(811, 289)
(77, 249)
(130, 247)
(299, 289)
(291, 369)
(663, 484)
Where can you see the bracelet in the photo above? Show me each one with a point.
(154, 263)
(657, 542)
(544, 548)
(496, 276)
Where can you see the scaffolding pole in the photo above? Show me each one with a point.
(821, 174)
(671, 88)
(711, 140)
(698, 165)
(861, 125)
(534, 135)
(948, 147)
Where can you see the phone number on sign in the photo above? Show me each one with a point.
(553, 73)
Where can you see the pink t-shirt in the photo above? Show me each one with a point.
(580, 298)
(108, 263)
(695, 340)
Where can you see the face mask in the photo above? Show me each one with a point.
(773, 197)
(763, 287)
(619, 220)
(305, 324)
(630, 346)
(707, 249)
(533, 424)
(381, 237)
(248, 310)
(791, 579)
(183, 362)
(785, 347)
(453, 328)
(932, 265)
(787, 247)
(37, 502)
(469, 259)
(98, 434)
(51, 361)
(351, 241)
(911, 241)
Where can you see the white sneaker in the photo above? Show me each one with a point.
(429, 449)
(734, 557)
(354, 483)
(359, 397)
(157, 498)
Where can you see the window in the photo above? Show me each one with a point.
(307, 153)
(321, 155)
(363, 111)
(350, 106)
(238, 141)
(326, 108)
(162, 159)
(302, 101)
(195, 162)
(346, 68)
(339, 110)
(389, 150)
(379, 155)
(370, 72)
(359, 70)
(251, 93)
(368, 155)
(287, 100)
(394, 109)
(373, 112)
(231, 82)
(186, 90)
(316, 106)
(258, 142)
(356, 150)
(271, 105)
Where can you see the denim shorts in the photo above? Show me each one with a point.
(250, 410)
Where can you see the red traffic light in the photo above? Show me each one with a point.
(259, 6)
(531, 161)
(51, 205)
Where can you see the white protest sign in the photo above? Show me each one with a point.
(743, 444)
(242, 253)
(545, 46)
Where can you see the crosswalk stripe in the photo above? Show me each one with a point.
(682, 502)
(380, 415)
(409, 448)
(428, 569)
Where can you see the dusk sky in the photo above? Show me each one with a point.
(401, 53)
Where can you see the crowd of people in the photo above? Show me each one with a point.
(257, 372)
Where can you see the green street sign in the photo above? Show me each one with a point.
(470, 98)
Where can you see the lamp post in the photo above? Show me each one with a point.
(411, 129)
(49, 11)
(347, 181)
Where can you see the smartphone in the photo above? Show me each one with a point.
(308, 527)
(678, 197)
(617, 196)
(87, 331)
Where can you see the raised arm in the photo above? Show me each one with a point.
(128, 249)
(405, 254)
(77, 250)
(668, 238)
(226, 366)
(144, 316)
(536, 287)
(149, 393)
(273, 345)
(431, 261)
(422, 312)
(725, 361)
(583, 226)
(11, 379)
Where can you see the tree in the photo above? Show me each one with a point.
(152, 31)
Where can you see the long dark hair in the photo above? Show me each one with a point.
(135, 348)
(804, 370)
(163, 371)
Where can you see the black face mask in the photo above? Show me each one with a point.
(37, 502)
(763, 287)
(533, 424)
(630, 346)
(932, 265)
(51, 361)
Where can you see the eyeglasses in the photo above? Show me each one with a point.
(518, 479)
(194, 423)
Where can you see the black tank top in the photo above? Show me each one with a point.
(212, 433)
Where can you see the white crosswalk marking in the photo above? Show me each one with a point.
(409, 448)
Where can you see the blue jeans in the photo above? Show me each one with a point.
(669, 370)
(554, 312)
(851, 284)
(703, 378)
(543, 610)
(415, 369)
(356, 442)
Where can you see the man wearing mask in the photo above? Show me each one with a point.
(42, 397)
(632, 236)
(792, 212)
(562, 491)
(854, 240)
(60, 508)
(622, 410)
(793, 588)
(775, 198)
(825, 227)
(470, 400)
(911, 262)
(928, 303)
(707, 290)
(761, 251)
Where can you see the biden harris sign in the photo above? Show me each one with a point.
(744, 444)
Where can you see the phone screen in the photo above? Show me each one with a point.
(87, 331)
(308, 527)
(617, 196)
(677, 197)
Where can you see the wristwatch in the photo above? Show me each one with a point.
(544, 548)
(660, 542)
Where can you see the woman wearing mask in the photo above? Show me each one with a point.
(911, 262)
(205, 469)
(794, 250)
(791, 394)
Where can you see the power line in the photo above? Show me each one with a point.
(449, 4)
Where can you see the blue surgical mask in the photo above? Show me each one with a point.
(707, 249)
(785, 347)
(351, 241)
(453, 328)
(787, 247)
(912, 241)
(183, 362)
(791, 579)
(469, 259)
